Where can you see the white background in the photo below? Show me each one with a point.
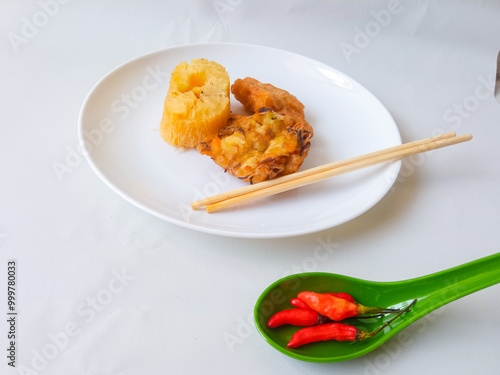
(179, 301)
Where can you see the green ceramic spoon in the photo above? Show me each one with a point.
(431, 292)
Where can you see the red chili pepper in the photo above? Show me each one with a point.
(336, 331)
(337, 308)
(345, 296)
(296, 317)
(323, 332)
(295, 302)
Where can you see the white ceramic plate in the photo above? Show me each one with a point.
(118, 130)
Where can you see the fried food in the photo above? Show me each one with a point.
(197, 103)
(255, 95)
(270, 143)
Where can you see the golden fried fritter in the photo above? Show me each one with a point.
(254, 95)
(272, 142)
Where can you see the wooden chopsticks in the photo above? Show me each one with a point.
(263, 189)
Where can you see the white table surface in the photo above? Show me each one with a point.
(123, 292)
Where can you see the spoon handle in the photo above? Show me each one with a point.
(438, 289)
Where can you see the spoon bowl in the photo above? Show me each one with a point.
(431, 291)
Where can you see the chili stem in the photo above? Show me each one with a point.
(376, 310)
(367, 316)
(364, 335)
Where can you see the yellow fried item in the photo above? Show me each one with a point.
(272, 142)
(197, 103)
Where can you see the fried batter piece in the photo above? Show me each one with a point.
(272, 142)
(254, 95)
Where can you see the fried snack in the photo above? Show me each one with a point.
(197, 103)
(272, 142)
(255, 95)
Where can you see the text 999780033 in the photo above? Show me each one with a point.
(11, 312)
